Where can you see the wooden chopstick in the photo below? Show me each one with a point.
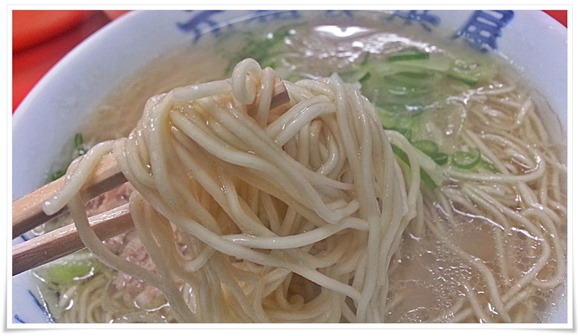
(27, 212)
(65, 240)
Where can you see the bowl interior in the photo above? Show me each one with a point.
(62, 102)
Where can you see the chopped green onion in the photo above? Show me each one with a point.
(393, 119)
(78, 140)
(294, 78)
(466, 160)
(489, 166)
(431, 149)
(365, 77)
(412, 55)
(57, 174)
(79, 144)
(400, 154)
(471, 72)
(409, 84)
(439, 158)
(79, 149)
(264, 49)
(411, 76)
(426, 146)
(66, 271)
(425, 178)
(436, 63)
(406, 132)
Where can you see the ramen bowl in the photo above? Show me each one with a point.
(74, 90)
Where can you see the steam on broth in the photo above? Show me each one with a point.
(488, 243)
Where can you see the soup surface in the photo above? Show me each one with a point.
(492, 226)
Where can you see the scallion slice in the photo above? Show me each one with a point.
(79, 144)
(439, 158)
(425, 178)
(412, 55)
(489, 166)
(466, 160)
(426, 146)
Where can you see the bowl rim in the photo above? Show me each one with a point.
(27, 107)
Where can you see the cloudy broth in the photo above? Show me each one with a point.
(459, 245)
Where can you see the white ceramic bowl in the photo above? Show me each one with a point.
(58, 105)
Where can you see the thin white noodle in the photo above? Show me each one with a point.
(317, 201)
(298, 213)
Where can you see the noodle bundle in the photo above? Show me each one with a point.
(253, 214)
(439, 198)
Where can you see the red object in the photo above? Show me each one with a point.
(41, 38)
(559, 15)
(30, 27)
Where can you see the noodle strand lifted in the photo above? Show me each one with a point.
(258, 214)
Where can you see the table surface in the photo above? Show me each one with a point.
(41, 39)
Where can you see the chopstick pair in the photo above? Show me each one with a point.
(27, 212)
